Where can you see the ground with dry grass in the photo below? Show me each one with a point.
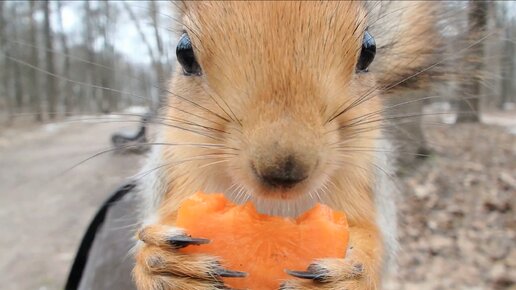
(457, 217)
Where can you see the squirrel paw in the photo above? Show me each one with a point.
(160, 266)
(342, 274)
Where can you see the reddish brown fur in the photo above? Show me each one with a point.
(273, 75)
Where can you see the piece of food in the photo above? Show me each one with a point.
(261, 245)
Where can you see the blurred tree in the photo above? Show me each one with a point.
(15, 67)
(468, 106)
(35, 98)
(507, 64)
(50, 65)
(158, 62)
(68, 99)
(143, 36)
(109, 99)
(4, 74)
(90, 93)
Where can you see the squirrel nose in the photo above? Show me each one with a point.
(285, 173)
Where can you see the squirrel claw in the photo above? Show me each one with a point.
(229, 273)
(312, 273)
(182, 241)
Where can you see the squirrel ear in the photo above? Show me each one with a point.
(407, 39)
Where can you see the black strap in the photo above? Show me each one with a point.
(75, 275)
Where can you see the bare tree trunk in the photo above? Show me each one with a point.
(18, 86)
(15, 67)
(471, 89)
(158, 65)
(5, 73)
(109, 99)
(507, 66)
(91, 93)
(17, 75)
(67, 94)
(35, 99)
(50, 66)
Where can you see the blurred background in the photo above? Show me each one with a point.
(78, 77)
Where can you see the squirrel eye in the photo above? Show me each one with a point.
(367, 53)
(186, 57)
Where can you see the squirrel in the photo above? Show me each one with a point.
(281, 104)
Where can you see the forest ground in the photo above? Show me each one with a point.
(457, 214)
(458, 210)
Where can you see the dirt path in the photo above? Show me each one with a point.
(43, 214)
